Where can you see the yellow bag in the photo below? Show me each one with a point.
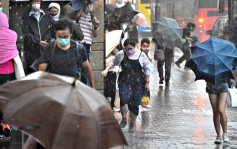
(145, 101)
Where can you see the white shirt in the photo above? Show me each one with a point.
(147, 66)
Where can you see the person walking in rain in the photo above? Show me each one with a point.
(131, 81)
(35, 27)
(185, 47)
(0, 6)
(89, 26)
(65, 56)
(218, 97)
(54, 11)
(168, 55)
(145, 44)
(110, 79)
(132, 31)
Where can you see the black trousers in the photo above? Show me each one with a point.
(110, 86)
(186, 53)
(167, 62)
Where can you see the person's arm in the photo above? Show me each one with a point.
(147, 81)
(25, 29)
(147, 54)
(96, 27)
(88, 70)
(105, 72)
(43, 67)
(43, 59)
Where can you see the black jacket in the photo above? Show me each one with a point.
(35, 31)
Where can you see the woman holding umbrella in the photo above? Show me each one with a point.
(131, 81)
(218, 97)
(214, 61)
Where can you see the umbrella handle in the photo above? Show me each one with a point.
(75, 79)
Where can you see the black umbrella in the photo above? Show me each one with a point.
(109, 9)
(127, 13)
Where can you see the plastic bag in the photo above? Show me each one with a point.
(232, 99)
(145, 100)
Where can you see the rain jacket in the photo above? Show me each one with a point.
(8, 49)
(35, 31)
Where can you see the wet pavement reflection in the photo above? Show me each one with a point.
(180, 116)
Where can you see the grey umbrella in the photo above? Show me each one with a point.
(169, 30)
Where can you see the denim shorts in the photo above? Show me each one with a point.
(216, 89)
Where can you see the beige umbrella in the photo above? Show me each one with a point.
(112, 40)
(60, 115)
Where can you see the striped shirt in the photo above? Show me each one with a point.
(86, 27)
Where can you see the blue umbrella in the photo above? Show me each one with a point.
(78, 4)
(213, 60)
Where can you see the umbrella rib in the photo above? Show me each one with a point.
(222, 61)
(97, 126)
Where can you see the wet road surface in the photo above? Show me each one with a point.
(180, 116)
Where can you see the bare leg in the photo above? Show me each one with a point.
(124, 111)
(216, 116)
(132, 118)
(222, 110)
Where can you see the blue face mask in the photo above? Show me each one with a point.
(0, 9)
(63, 42)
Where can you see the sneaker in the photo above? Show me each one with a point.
(226, 138)
(177, 64)
(132, 128)
(115, 109)
(218, 140)
(123, 123)
(161, 80)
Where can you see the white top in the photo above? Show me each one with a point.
(109, 60)
(147, 66)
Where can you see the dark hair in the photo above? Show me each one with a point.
(145, 40)
(190, 24)
(129, 42)
(64, 24)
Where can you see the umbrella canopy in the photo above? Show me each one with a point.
(169, 30)
(113, 39)
(127, 13)
(140, 19)
(214, 59)
(58, 114)
(78, 4)
(109, 9)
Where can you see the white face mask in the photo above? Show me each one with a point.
(90, 7)
(36, 6)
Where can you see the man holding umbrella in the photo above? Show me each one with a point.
(185, 47)
(89, 26)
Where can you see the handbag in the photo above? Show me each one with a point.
(159, 55)
(232, 97)
(18, 67)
